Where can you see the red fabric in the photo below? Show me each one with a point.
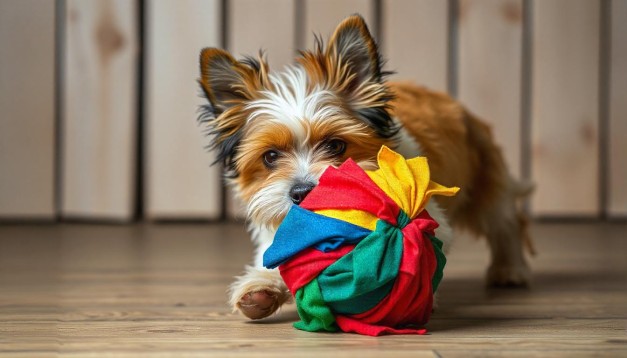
(348, 324)
(349, 187)
(411, 299)
(307, 265)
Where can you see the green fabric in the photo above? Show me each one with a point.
(441, 259)
(402, 220)
(314, 314)
(359, 280)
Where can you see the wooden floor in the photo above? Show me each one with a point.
(159, 290)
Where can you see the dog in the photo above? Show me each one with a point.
(275, 134)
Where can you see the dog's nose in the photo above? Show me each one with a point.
(300, 191)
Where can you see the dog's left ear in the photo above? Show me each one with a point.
(355, 70)
(352, 45)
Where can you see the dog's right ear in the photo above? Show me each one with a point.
(228, 85)
(224, 81)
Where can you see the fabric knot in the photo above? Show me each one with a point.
(402, 220)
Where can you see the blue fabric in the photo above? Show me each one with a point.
(307, 229)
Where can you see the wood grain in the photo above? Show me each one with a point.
(180, 181)
(414, 40)
(565, 111)
(100, 80)
(617, 199)
(27, 124)
(147, 289)
(490, 64)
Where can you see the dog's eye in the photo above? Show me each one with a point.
(270, 157)
(335, 146)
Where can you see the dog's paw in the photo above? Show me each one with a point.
(508, 276)
(258, 293)
(259, 304)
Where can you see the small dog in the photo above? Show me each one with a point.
(277, 132)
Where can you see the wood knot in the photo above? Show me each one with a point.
(512, 12)
(588, 133)
(109, 39)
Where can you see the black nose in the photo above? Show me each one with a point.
(300, 191)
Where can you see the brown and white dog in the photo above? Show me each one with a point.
(277, 132)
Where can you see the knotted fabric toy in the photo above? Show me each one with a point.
(360, 254)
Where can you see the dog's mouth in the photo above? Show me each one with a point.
(269, 206)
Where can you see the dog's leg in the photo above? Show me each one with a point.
(506, 231)
(259, 292)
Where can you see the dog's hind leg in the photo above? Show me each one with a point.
(505, 228)
(491, 209)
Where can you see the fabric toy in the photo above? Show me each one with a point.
(360, 254)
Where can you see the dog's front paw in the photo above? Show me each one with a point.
(258, 293)
(509, 276)
(259, 304)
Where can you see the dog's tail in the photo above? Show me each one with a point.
(522, 188)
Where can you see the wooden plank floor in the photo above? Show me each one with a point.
(159, 290)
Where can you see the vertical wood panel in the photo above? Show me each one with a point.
(180, 183)
(414, 40)
(267, 25)
(490, 50)
(322, 16)
(99, 109)
(565, 107)
(617, 200)
(27, 151)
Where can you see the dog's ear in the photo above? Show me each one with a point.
(352, 45)
(225, 81)
(355, 72)
(228, 84)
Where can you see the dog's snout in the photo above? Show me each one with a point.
(299, 191)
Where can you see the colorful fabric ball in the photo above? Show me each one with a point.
(360, 253)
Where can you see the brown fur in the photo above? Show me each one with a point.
(460, 148)
(462, 153)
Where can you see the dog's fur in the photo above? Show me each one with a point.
(275, 131)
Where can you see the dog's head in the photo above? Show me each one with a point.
(277, 132)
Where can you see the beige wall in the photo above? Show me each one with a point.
(549, 76)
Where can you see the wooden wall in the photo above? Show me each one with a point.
(179, 180)
(27, 109)
(99, 101)
(98, 134)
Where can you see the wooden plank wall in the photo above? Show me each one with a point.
(27, 121)
(179, 181)
(322, 16)
(549, 76)
(565, 111)
(617, 185)
(490, 63)
(415, 41)
(266, 25)
(99, 109)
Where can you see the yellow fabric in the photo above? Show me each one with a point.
(407, 181)
(353, 216)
